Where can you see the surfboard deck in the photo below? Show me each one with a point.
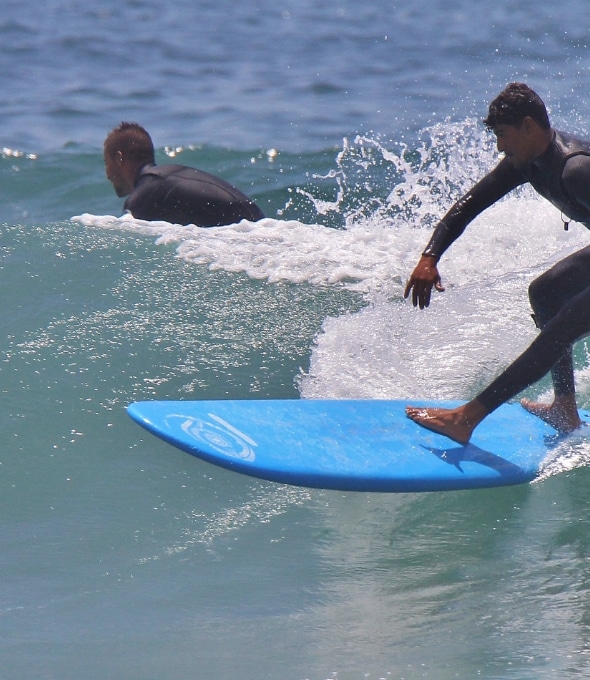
(351, 445)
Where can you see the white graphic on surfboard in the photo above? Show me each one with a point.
(219, 435)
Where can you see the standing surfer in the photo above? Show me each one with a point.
(557, 165)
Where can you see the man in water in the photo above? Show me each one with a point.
(173, 193)
(557, 165)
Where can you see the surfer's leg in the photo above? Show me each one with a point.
(571, 323)
(561, 302)
(548, 294)
(558, 285)
(530, 366)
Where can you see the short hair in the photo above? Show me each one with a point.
(514, 104)
(133, 141)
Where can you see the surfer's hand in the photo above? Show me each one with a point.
(424, 277)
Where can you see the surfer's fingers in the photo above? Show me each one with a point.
(425, 295)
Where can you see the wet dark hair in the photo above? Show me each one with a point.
(514, 104)
(133, 141)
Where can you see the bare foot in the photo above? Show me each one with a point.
(562, 414)
(449, 422)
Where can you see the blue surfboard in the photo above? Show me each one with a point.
(350, 445)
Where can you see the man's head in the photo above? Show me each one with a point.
(519, 119)
(515, 103)
(127, 149)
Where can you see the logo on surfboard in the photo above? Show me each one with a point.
(219, 435)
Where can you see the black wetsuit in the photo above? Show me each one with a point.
(183, 195)
(560, 297)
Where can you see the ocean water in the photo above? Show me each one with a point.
(354, 126)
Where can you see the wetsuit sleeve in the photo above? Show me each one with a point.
(502, 179)
(576, 180)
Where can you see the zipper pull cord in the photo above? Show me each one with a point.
(566, 223)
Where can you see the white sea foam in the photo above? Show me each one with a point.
(368, 256)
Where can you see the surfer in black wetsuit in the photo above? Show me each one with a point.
(173, 193)
(557, 165)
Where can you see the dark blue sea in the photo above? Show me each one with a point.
(354, 126)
